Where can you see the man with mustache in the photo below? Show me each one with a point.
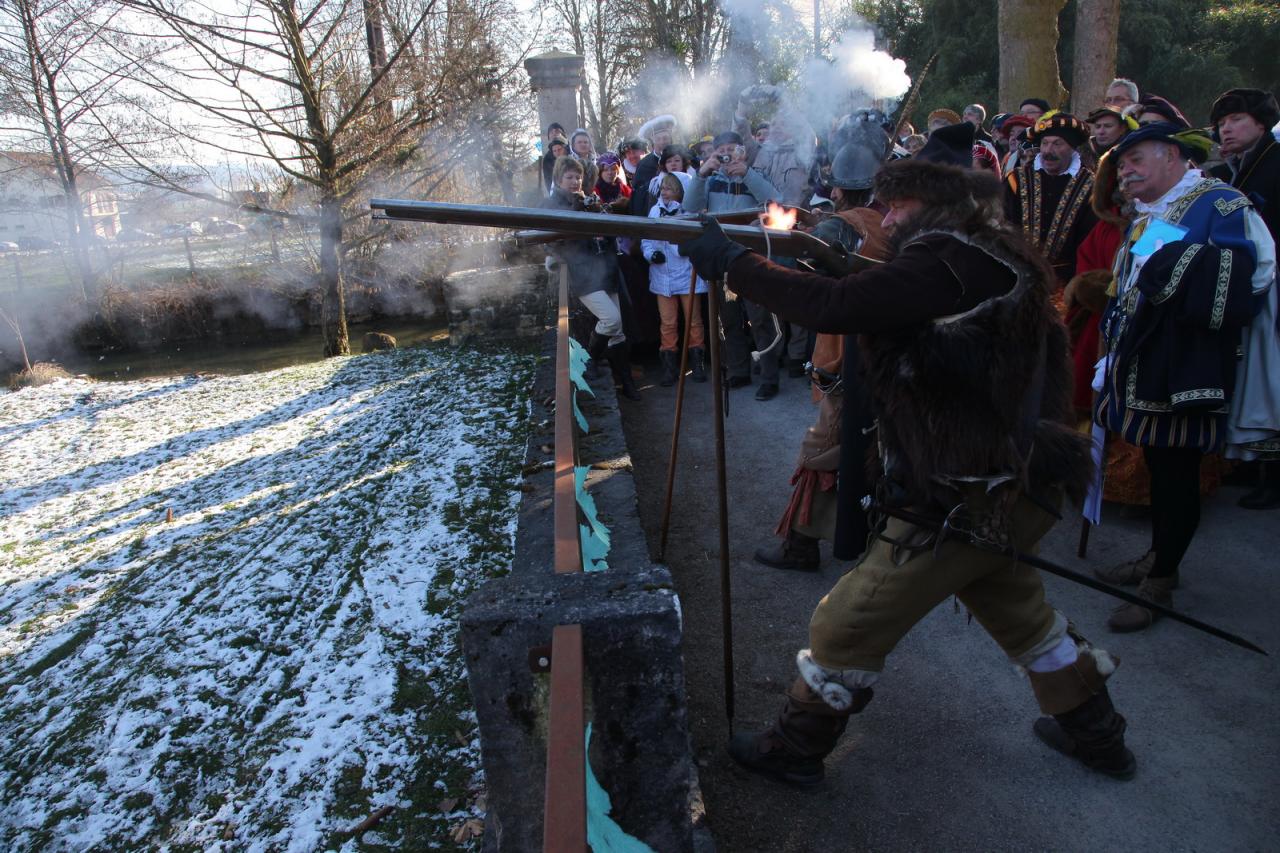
(1048, 198)
(1195, 268)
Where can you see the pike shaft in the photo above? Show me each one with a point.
(1080, 578)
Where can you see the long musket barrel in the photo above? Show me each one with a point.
(793, 244)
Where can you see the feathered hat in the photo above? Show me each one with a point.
(1064, 125)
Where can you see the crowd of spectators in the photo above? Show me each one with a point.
(1060, 190)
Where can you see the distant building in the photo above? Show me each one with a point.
(33, 207)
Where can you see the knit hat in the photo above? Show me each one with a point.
(1064, 125)
(1255, 102)
(607, 159)
(726, 136)
(1036, 102)
(1194, 144)
(998, 120)
(635, 143)
(950, 116)
(952, 145)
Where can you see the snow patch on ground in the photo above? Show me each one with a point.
(279, 659)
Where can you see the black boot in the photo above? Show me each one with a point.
(699, 364)
(1267, 493)
(792, 749)
(1092, 733)
(620, 364)
(596, 346)
(670, 367)
(797, 553)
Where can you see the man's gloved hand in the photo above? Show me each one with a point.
(711, 251)
(658, 258)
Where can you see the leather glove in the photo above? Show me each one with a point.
(658, 258)
(711, 251)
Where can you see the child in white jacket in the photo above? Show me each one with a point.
(669, 279)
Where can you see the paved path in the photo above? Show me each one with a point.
(944, 757)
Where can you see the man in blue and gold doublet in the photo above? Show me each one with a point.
(1191, 274)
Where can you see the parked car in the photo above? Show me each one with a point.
(223, 226)
(38, 244)
(183, 229)
(7, 246)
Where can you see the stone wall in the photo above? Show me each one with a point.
(502, 302)
(634, 681)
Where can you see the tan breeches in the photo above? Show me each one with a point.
(877, 602)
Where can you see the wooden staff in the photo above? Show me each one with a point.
(726, 603)
(675, 428)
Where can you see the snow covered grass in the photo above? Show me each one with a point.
(279, 660)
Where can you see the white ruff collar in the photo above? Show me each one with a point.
(1071, 170)
(1159, 206)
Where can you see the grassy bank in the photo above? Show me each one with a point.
(279, 660)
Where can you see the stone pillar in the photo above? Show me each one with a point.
(556, 77)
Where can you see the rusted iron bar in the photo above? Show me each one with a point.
(714, 291)
(791, 244)
(568, 545)
(564, 828)
(665, 527)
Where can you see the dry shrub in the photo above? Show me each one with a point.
(40, 373)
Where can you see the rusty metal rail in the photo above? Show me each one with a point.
(564, 828)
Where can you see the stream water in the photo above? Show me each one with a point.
(229, 356)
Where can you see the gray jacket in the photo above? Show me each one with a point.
(718, 193)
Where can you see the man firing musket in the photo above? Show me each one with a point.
(967, 366)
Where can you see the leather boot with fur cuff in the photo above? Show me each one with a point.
(792, 749)
(1093, 733)
(795, 553)
(1128, 618)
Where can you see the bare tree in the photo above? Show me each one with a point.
(341, 96)
(1028, 34)
(1094, 58)
(59, 80)
(617, 40)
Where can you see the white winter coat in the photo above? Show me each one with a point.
(672, 277)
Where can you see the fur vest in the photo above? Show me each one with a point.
(982, 396)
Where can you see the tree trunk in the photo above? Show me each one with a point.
(333, 309)
(1029, 52)
(1094, 63)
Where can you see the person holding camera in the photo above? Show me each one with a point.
(725, 183)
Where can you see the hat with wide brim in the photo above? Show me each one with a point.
(950, 116)
(1194, 144)
(662, 122)
(1063, 125)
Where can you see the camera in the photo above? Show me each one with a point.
(723, 158)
